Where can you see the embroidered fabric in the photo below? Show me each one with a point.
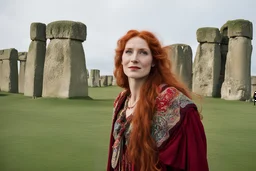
(120, 134)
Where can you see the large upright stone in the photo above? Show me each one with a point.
(65, 73)
(114, 81)
(9, 70)
(94, 78)
(104, 81)
(237, 83)
(223, 51)
(181, 59)
(207, 62)
(35, 61)
(22, 57)
(110, 80)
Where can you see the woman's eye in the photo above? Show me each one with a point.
(128, 51)
(144, 52)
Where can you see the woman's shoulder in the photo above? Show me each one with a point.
(171, 97)
(171, 106)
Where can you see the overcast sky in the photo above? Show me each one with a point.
(173, 21)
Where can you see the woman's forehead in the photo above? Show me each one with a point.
(137, 42)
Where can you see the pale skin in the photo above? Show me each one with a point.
(137, 62)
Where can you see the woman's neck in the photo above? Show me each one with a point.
(135, 86)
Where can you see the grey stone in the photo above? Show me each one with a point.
(114, 81)
(9, 54)
(104, 80)
(208, 34)
(65, 70)
(224, 34)
(237, 84)
(110, 80)
(206, 69)
(240, 28)
(9, 76)
(181, 59)
(94, 78)
(38, 31)
(66, 30)
(34, 69)
(22, 76)
(22, 56)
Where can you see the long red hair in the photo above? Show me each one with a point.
(142, 149)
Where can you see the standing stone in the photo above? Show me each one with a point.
(22, 57)
(110, 80)
(114, 81)
(253, 82)
(65, 66)
(35, 61)
(94, 78)
(207, 62)
(181, 59)
(9, 70)
(104, 80)
(237, 83)
(223, 51)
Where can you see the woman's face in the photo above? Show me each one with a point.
(137, 58)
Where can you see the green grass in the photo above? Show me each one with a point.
(64, 135)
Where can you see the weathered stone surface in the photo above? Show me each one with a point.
(114, 81)
(38, 31)
(9, 70)
(253, 83)
(208, 34)
(181, 59)
(240, 28)
(65, 70)
(104, 80)
(206, 69)
(66, 30)
(237, 84)
(94, 78)
(110, 80)
(22, 56)
(34, 69)
(9, 76)
(9, 54)
(22, 76)
(224, 34)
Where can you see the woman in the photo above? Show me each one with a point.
(156, 127)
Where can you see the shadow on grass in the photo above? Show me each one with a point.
(80, 98)
(3, 95)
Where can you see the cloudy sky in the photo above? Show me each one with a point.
(173, 21)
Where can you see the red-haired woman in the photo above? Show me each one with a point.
(156, 126)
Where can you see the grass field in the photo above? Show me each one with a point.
(73, 135)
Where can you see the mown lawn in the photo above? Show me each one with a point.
(73, 135)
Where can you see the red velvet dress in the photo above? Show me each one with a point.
(176, 129)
